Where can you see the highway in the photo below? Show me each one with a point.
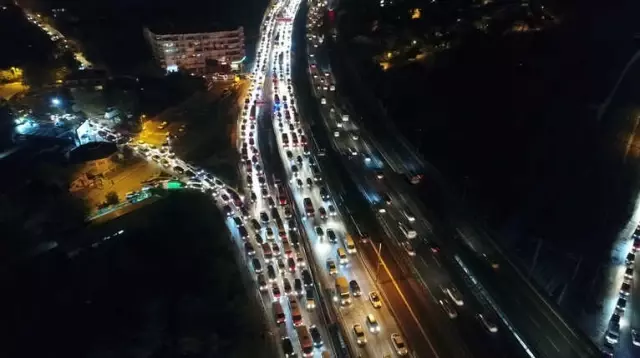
(298, 162)
(534, 323)
(417, 266)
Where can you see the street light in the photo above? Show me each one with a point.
(55, 101)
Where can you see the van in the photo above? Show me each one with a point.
(278, 312)
(342, 256)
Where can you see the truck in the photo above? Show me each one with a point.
(342, 291)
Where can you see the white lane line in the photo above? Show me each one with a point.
(552, 343)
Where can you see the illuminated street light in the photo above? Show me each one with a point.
(56, 101)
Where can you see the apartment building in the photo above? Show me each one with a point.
(193, 51)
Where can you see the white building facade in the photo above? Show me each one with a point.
(190, 51)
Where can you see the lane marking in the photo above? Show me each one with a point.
(413, 315)
(553, 344)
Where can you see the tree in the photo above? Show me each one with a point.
(112, 198)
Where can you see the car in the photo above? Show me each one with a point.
(275, 290)
(455, 295)
(635, 337)
(375, 299)
(287, 286)
(331, 235)
(237, 221)
(379, 175)
(323, 213)
(311, 302)
(433, 247)
(300, 262)
(248, 248)
(253, 197)
(613, 332)
(262, 283)
(331, 266)
(406, 245)
(315, 336)
(269, 233)
(287, 347)
(309, 183)
(264, 217)
(299, 183)
(271, 273)
(256, 225)
(631, 257)
(624, 289)
(324, 193)
(297, 286)
(281, 266)
(271, 203)
(287, 213)
(372, 323)
(258, 239)
(227, 210)
(257, 267)
(291, 263)
(398, 344)
(487, 323)
(319, 232)
(628, 273)
(291, 224)
(355, 288)
(621, 305)
(386, 198)
(245, 213)
(361, 339)
(276, 249)
(264, 192)
(448, 308)
(332, 210)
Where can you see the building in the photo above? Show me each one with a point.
(197, 52)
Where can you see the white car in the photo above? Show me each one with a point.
(375, 300)
(488, 324)
(399, 345)
(455, 295)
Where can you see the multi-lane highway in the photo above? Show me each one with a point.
(452, 329)
(366, 322)
(525, 314)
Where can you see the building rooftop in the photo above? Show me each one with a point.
(174, 28)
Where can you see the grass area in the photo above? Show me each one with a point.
(168, 286)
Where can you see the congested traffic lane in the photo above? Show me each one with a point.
(272, 242)
(305, 184)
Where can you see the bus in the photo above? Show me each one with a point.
(308, 207)
(408, 232)
(305, 340)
